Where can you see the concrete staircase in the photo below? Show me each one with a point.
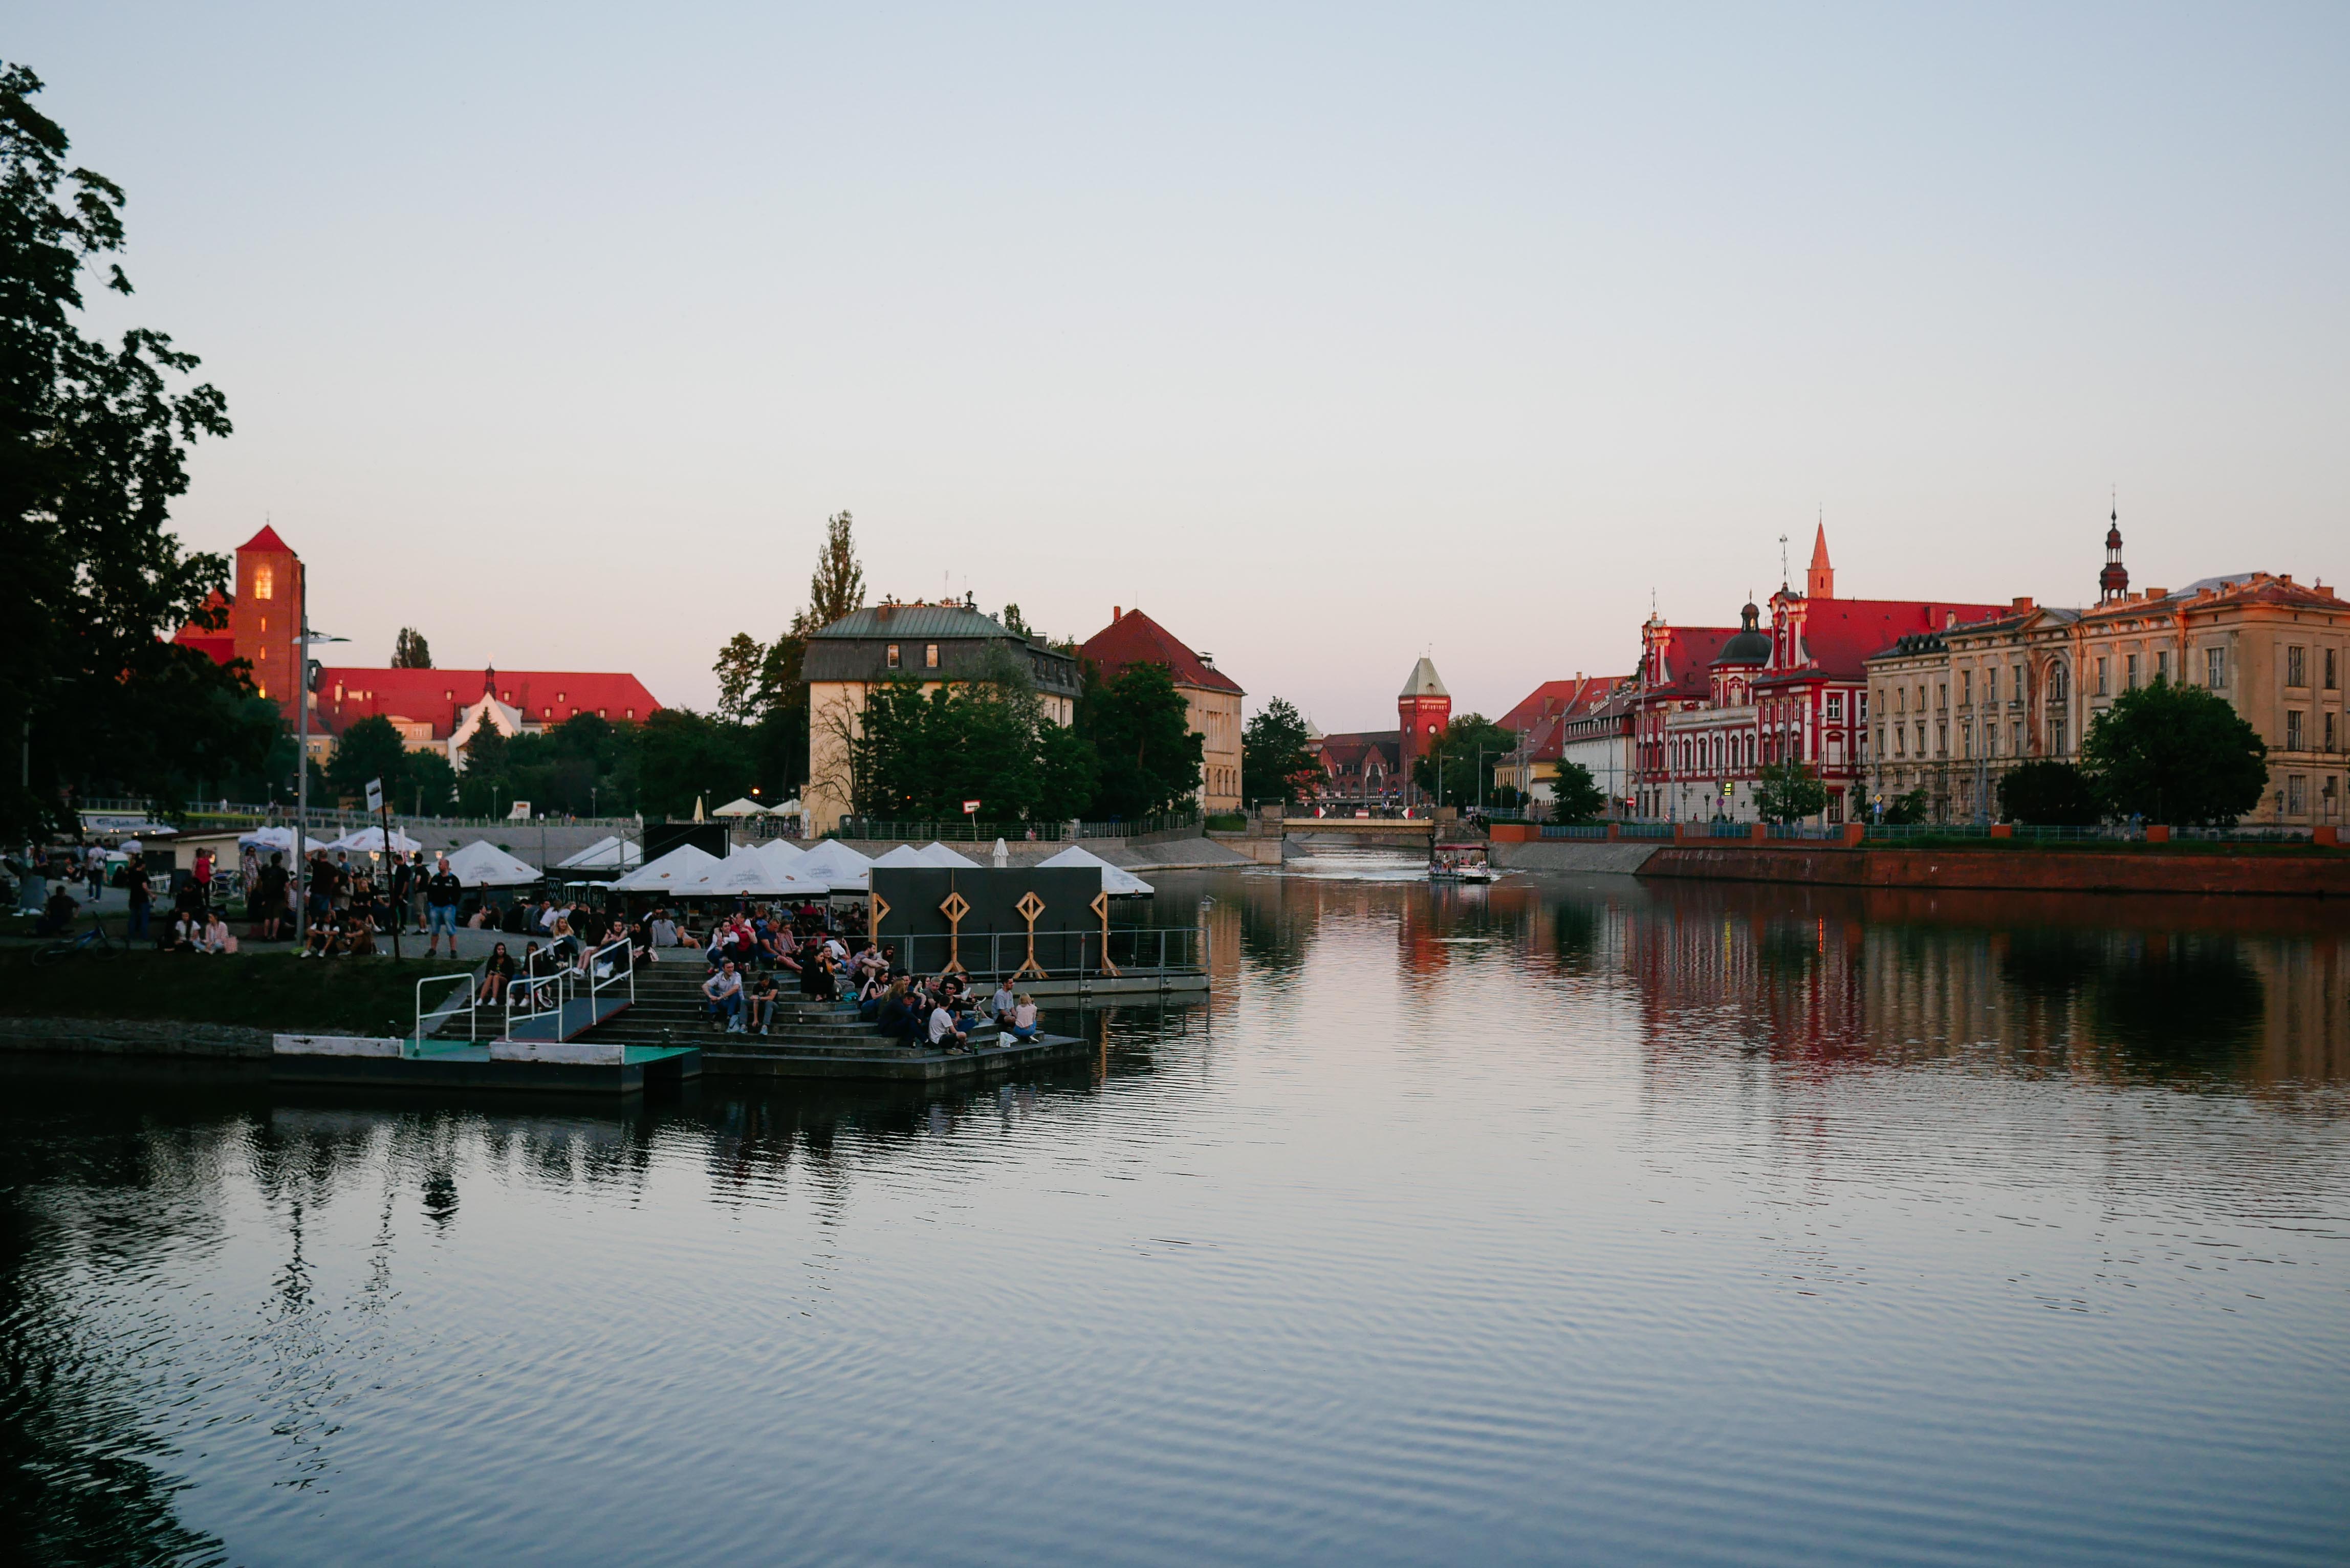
(806, 1039)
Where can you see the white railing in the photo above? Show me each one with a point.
(472, 1007)
(549, 992)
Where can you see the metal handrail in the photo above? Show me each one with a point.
(472, 1009)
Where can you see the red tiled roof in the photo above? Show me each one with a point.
(1135, 638)
(267, 539)
(435, 696)
(1840, 635)
(1553, 697)
(1690, 653)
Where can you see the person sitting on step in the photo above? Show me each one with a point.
(725, 990)
(1020, 1025)
(944, 1035)
(764, 997)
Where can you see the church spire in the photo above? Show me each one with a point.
(2113, 582)
(1819, 583)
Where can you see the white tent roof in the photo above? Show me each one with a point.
(791, 807)
(680, 865)
(279, 839)
(371, 839)
(837, 865)
(937, 854)
(906, 855)
(778, 853)
(604, 855)
(749, 873)
(741, 806)
(480, 861)
(1116, 881)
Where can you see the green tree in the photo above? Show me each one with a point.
(93, 451)
(2048, 794)
(2176, 754)
(682, 756)
(1458, 768)
(1788, 792)
(1013, 621)
(409, 650)
(838, 588)
(369, 748)
(1276, 761)
(738, 666)
(1576, 796)
(1904, 810)
(1148, 754)
(1068, 774)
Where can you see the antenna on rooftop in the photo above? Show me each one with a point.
(1782, 560)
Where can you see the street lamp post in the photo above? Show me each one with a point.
(302, 694)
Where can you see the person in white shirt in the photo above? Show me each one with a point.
(1022, 1024)
(724, 989)
(216, 939)
(944, 1035)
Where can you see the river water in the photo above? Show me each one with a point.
(1569, 1219)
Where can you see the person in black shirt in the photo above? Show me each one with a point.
(265, 902)
(142, 897)
(495, 974)
(442, 893)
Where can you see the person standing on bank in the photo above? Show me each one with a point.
(142, 896)
(442, 893)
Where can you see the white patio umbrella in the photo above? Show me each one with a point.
(663, 875)
(480, 861)
(841, 868)
(1002, 855)
(746, 873)
(607, 853)
(741, 807)
(1116, 881)
(279, 839)
(370, 839)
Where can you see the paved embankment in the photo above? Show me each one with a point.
(1572, 855)
(131, 1037)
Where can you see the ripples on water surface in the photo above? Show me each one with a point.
(1563, 1220)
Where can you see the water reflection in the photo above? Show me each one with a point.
(1452, 1215)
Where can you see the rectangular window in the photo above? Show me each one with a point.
(1966, 688)
(1921, 740)
(2329, 731)
(2297, 667)
(1990, 682)
(2293, 722)
(1922, 696)
(1901, 699)
(1901, 741)
(2129, 673)
(1941, 740)
(2162, 665)
(2331, 675)
(1942, 695)
(930, 656)
(2101, 677)
(2296, 794)
(1835, 707)
(264, 579)
(2215, 669)
(1990, 739)
(892, 656)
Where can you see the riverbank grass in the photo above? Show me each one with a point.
(276, 992)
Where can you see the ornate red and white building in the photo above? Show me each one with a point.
(1715, 704)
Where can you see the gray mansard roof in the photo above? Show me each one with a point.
(857, 647)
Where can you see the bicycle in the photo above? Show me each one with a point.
(93, 942)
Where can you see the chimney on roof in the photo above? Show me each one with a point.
(1116, 615)
(1950, 619)
(2023, 602)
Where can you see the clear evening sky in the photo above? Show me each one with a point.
(1325, 335)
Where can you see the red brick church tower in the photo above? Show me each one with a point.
(1422, 710)
(264, 616)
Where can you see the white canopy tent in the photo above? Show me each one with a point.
(1116, 881)
(279, 839)
(664, 875)
(841, 868)
(610, 854)
(371, 840)
(741, 807)
(904, 855)
(937, 854)
(746, 873)
(784, 856)
(480, 861)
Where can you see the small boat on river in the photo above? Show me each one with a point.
(1461, 863)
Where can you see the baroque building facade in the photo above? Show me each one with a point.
(1957, 709)
(1717, 705)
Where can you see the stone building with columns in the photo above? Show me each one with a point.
(1954, 710)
